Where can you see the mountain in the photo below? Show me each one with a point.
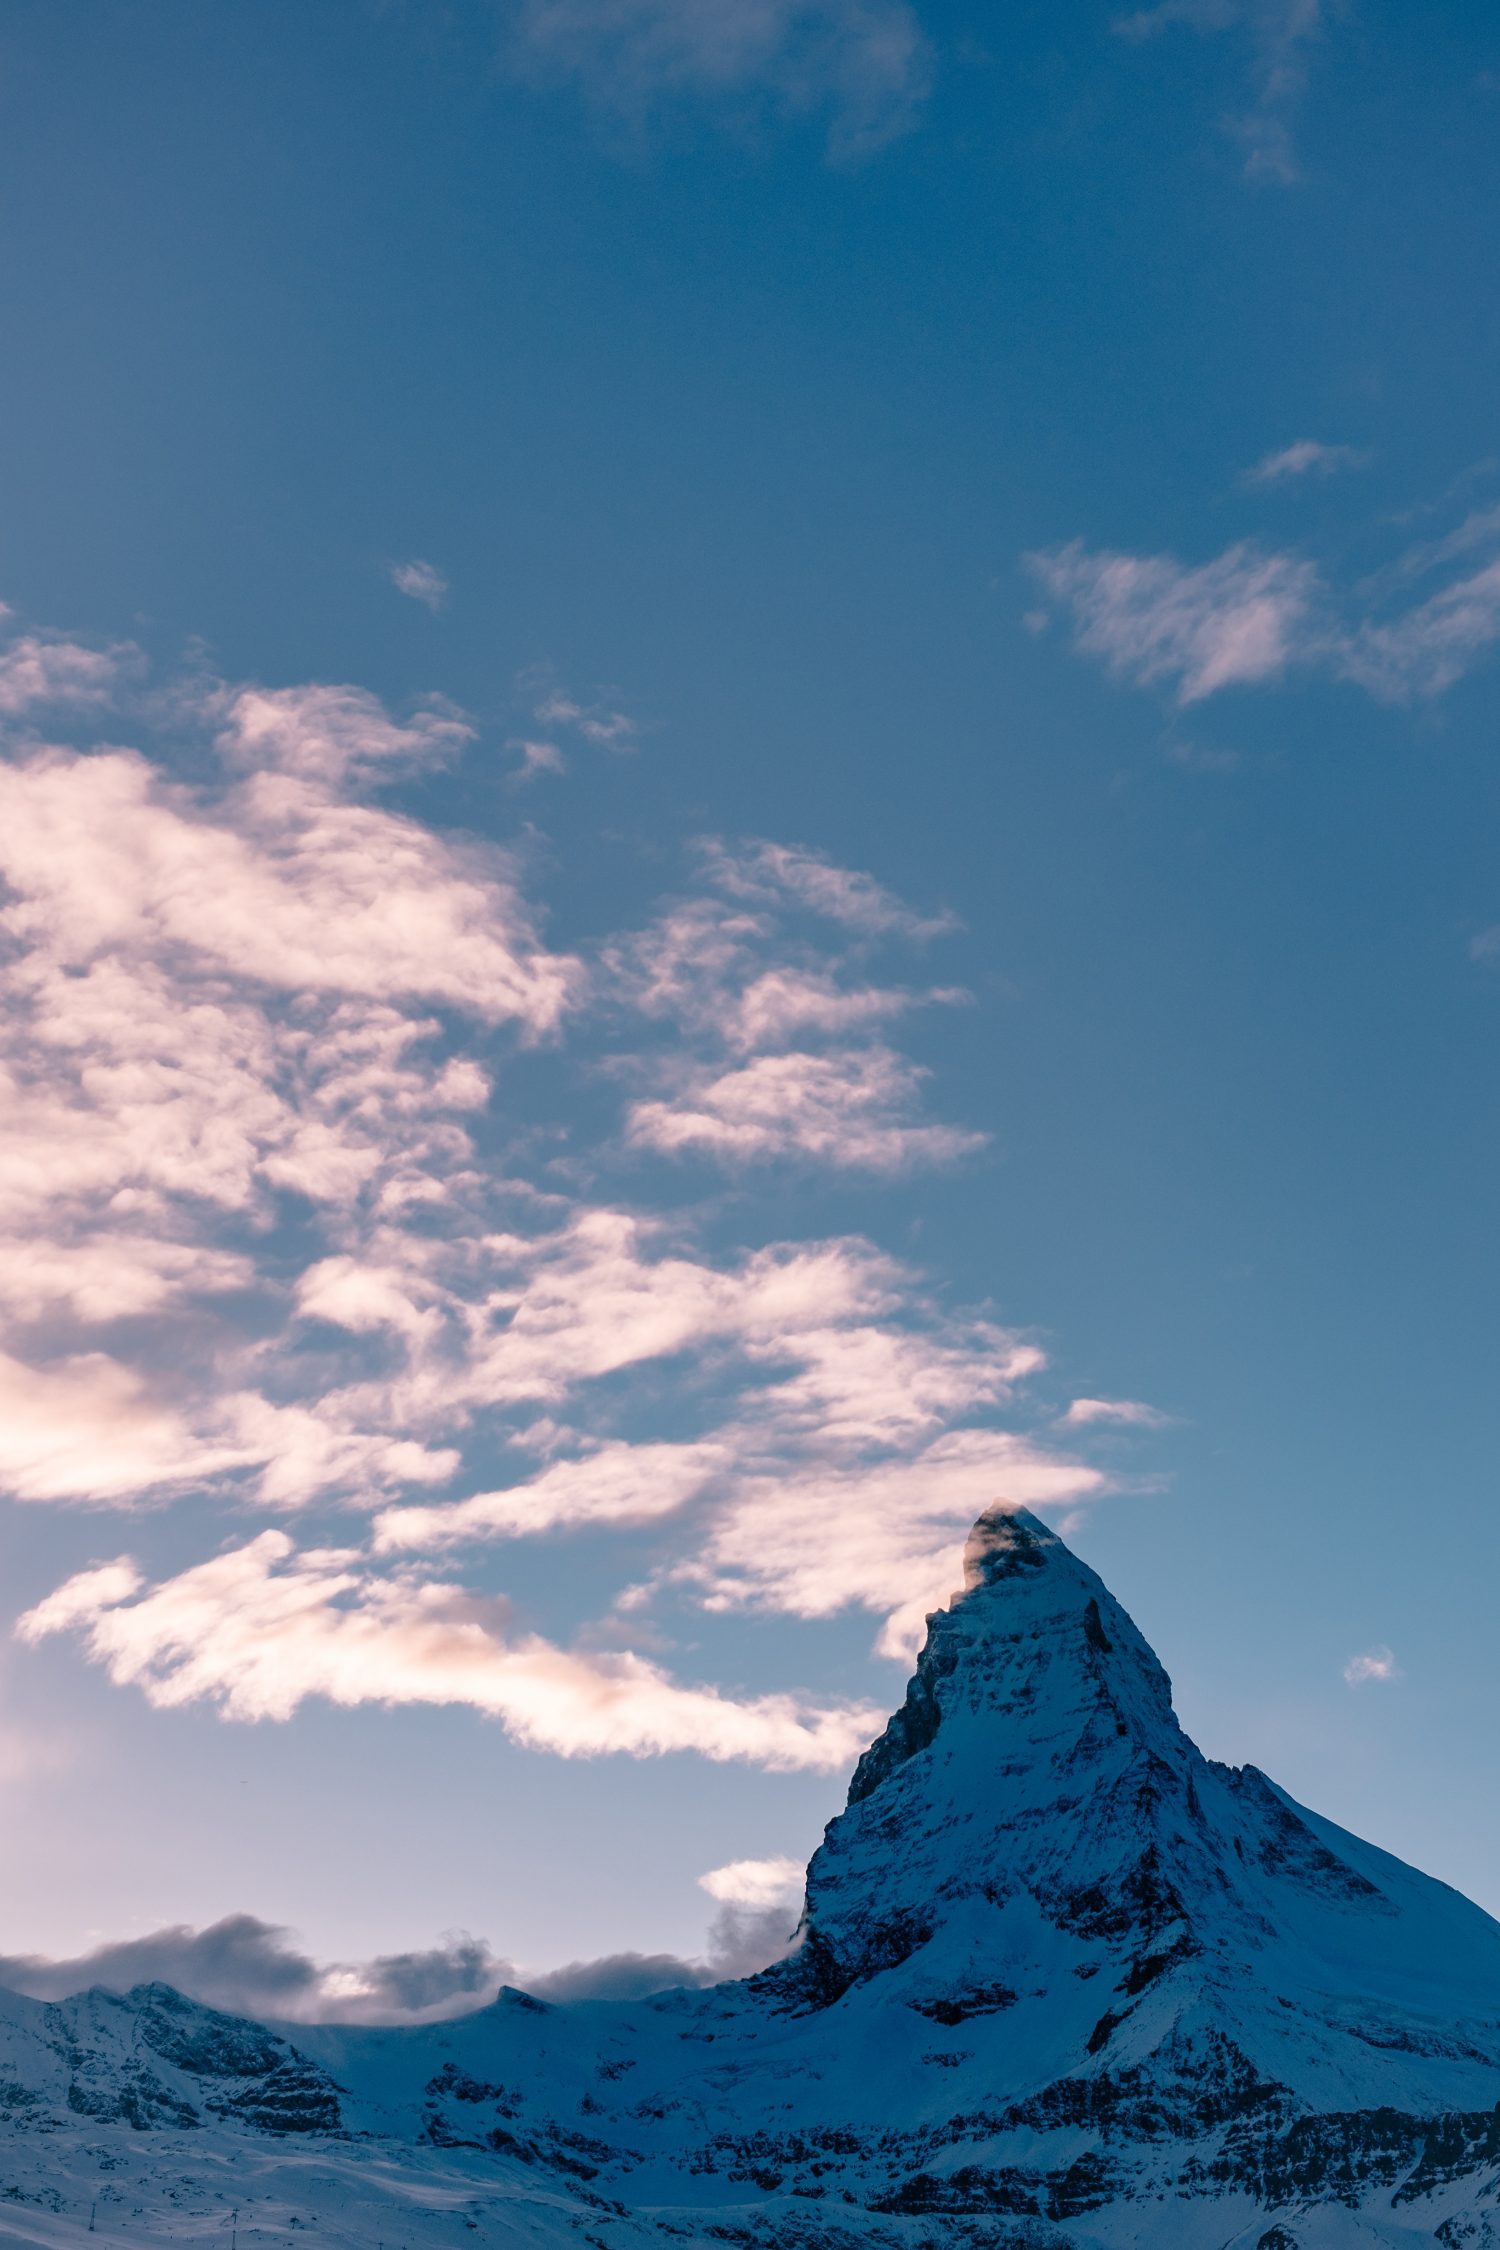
(1061, 1983)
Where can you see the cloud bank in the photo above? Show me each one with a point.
(248, 1967)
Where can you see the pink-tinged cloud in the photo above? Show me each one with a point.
(335, 735)
(1124, 1413)
(791, 875)
(755, 1882)
(267, 997)
(88, 1428)
(619, 1484)
(259, 1630)
(281, 885)
(40, 671)
(880, 1535)
(857, 1384)
(850, 1107)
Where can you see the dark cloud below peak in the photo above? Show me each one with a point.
(247, 1967)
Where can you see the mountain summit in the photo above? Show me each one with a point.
(1060, 1982)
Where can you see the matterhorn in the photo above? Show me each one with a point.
(1060, 1983)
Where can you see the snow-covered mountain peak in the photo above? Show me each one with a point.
(1062, 1983)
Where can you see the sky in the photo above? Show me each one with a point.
(748, 796)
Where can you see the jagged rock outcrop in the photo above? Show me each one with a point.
(1060, 1981)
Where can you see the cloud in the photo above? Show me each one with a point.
(864, 63)
(742, 1940)
(1129, 1413)
(780, 1058)
(1282, 36)
(282, 886)
(281, 1224)
(620, 1483)
(261, 1628)
(1426, 650)
(594, 723)
(1374, 1664)
(756, 1882)
(88, 1428)
(1478, 529)
(792, 875)
(782, 1003)
(849, 1107)
(536, 758)
(215, 998)
(45, 670)
(247, 1967)
(1306, 457)
(1240, 619)
(334, 735)
(825, 1344)
(420, 581)
(1248, 618)
(885, 1535)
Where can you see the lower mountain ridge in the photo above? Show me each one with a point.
(1061, 1983)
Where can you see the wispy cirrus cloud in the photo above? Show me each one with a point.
(1305, 457)
(1283, 36)
(865, 65)
(790, 875)
(1425, 650)
(1251, 618)
(1241, 619)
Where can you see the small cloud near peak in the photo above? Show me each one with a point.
(755, 1882)
(1378, 1663)
(420, 581)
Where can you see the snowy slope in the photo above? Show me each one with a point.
(1060, 1981)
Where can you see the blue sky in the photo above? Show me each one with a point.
(749, 794)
